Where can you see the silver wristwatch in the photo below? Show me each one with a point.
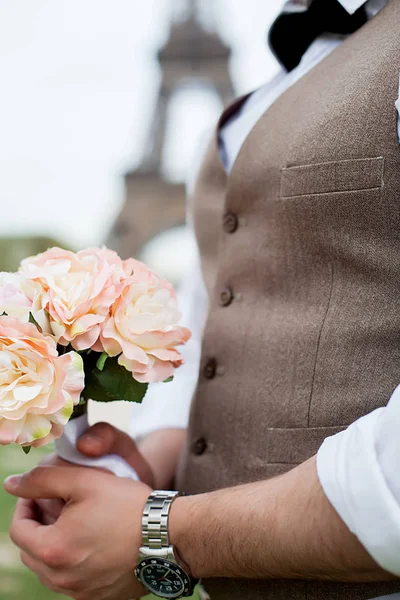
(159, 568)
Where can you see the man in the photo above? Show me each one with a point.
(296, 217)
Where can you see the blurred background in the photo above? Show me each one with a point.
(104, 104)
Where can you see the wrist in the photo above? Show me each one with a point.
(187, 519)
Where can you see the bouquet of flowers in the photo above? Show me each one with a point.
(80, 326)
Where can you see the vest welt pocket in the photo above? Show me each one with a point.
(340, 176)
(293, 446)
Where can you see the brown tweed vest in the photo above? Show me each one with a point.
(300, 250)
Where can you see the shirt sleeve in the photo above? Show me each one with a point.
(167, 405)
(358, 470)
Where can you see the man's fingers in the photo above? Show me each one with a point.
(59, 582)
(102, 439)
(25, 531)
(25, 509)
(46, 482)
(32, 563)
(49, 510)
(97, 440)
(35, 566)
(45, 545)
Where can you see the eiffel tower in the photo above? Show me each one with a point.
(152, 204)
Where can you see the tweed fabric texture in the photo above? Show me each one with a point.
(304, 320)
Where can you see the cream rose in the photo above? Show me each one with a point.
(20, 297)
(80, 288)
(38, 388)
(142, 328)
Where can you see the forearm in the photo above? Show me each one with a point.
(162, 449)
(280, 528)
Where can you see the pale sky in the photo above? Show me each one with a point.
(78, 79)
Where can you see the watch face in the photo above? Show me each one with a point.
(163, 578)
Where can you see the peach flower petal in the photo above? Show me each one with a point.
(38, 388)
(142, 328)
(20, 297)
(79, 289)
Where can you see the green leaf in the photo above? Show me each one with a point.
(169, 379)
(114, 382)
(26, 449)
(34, 322)
(101, 361)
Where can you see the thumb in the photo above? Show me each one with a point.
(102, 439)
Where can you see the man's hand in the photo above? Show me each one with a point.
(102, 439)
(155, 459)
(99, 440)
(91, 550)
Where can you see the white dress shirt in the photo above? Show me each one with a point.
(358, 467)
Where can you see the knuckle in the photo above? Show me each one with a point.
(13, 535)
(35, 476)
(54, 557)
(46, 583)
(49, 585)
(65, 582)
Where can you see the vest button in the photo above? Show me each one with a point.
(210, 369)
(226, 297)
(199, 446)
(230, 222)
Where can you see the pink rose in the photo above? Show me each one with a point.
(143, 328)
(80, 289)
(20, 297)
(38, 388)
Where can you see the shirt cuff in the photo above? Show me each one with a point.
(352, 479)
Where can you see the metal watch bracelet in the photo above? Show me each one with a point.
(160, 568)
(155, 519)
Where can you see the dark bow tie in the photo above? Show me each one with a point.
(292, 33)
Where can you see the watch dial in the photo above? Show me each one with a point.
(164, 578)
